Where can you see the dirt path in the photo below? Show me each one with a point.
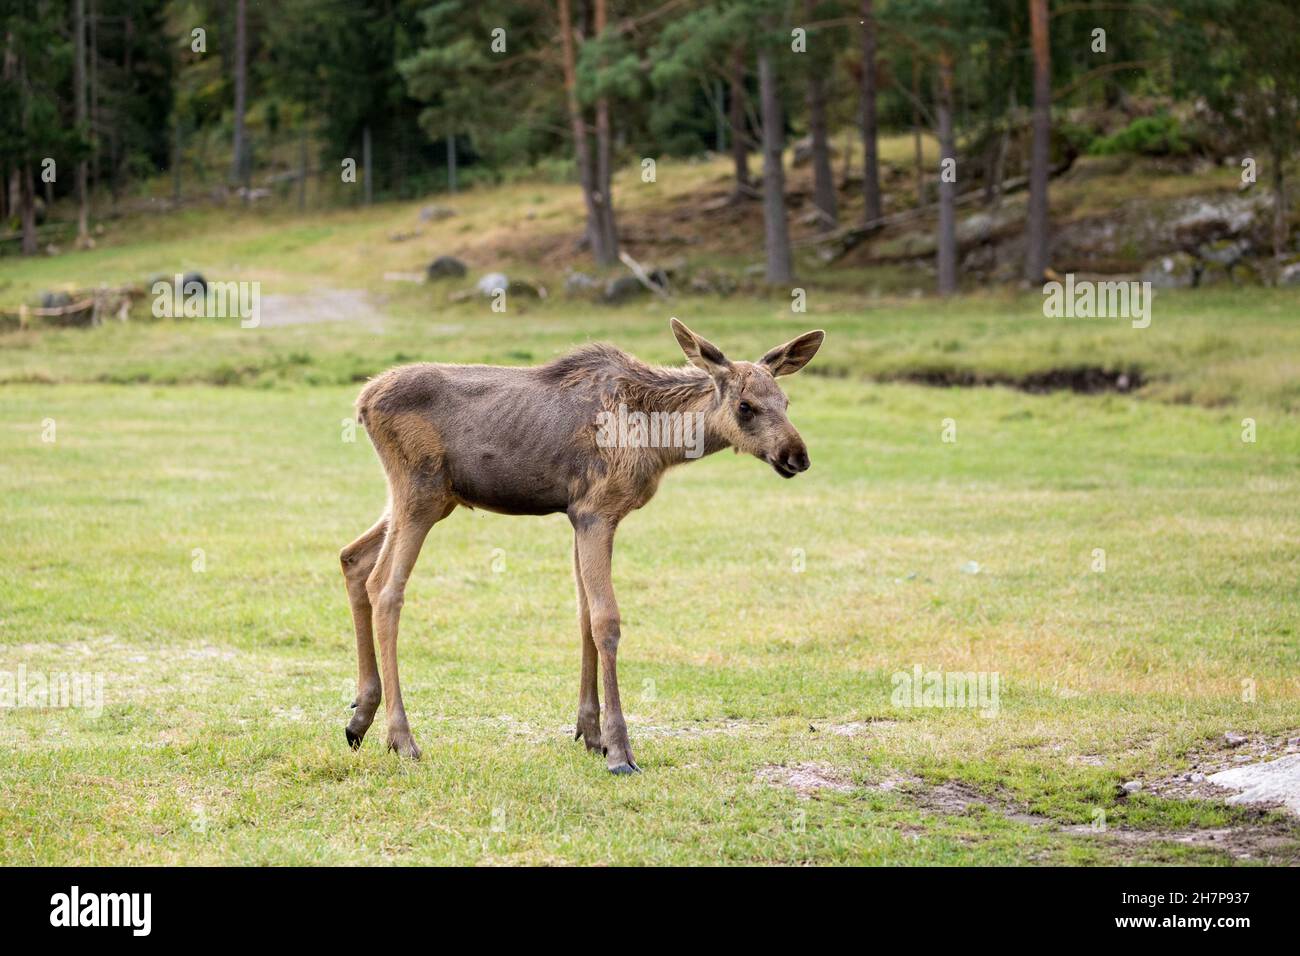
(323, 305)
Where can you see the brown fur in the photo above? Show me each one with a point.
(524, 441)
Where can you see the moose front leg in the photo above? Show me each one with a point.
(595, 537)
(588, 724)
(358, 560)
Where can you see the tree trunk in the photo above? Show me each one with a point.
(1036, 228)
(581, 148)
(302, 167)
(824, 198)
(736, 117)
(79, 98)
(1280, 230)
(776, 232)
(119, 149)
(919, 157)
(1004, 147)
(241, 88)
(604, 171)
(870, 156)
(368, 183)
(28, 205)
(947, 238)
(176, 164)
(451, 162)
(719, 118)
(94, 94)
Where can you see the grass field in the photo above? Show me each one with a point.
(178, 537)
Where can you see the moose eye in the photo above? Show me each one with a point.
(746, 408)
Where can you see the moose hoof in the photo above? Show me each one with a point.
(354, 740)
(624, 769)
(404, 747)
(588, 731)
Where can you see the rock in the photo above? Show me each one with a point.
(713, 281)
(579, 283)
(55, 300)
(1208, 218)
(1197, 777)
(984, 226)
(1273, 781)
(1289, 274)
(1224, 252)
(674, 268)
(434, 213)
(1234, 739)
(518, 287)
(1179, 270)
(1133, 786)
(803, 151)
(623, 289)
(445, 267)
(491, 282)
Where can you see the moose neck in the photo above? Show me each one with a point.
(679, 407)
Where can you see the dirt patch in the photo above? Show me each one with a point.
(854, 728)
(1082, 379)
(805, 779)
(1272, 842)
(1196, 783)
(1086, 760)
(1269, 840)
(322, 305)
(952, 798)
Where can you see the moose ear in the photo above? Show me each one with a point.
(794, 355)
(700, 351)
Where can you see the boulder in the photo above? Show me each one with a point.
(579, 283)
(434, 213)
(1179, 270)
(624, 289)
(490, 283)
(803, 151)
(518, 287)
(713, 281)
(445, 267)
(1289, 274)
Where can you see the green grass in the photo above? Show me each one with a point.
(226, 688)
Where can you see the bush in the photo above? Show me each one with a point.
(1160, 135)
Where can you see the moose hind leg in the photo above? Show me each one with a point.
(358, 560)
(588, 724)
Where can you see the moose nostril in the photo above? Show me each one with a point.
(795, 460)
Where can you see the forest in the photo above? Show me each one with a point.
(210, 100)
